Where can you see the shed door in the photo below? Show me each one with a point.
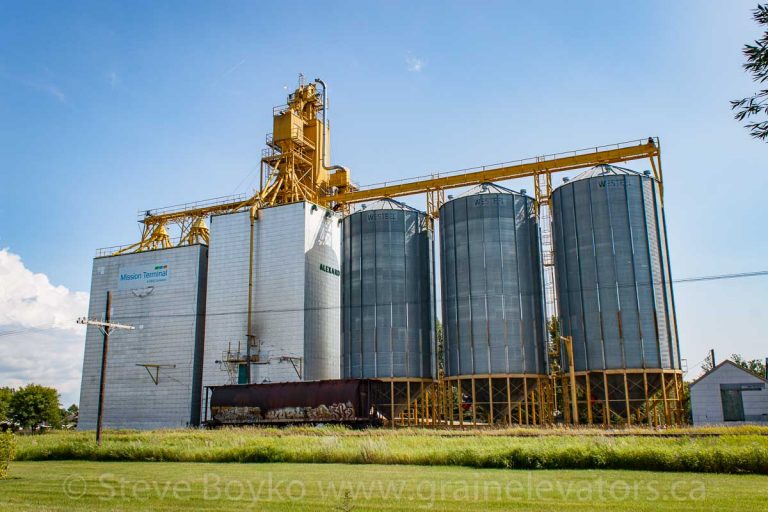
(733, 406)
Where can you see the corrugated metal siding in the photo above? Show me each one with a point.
(295, 302)
(169, 321)
(227, 300)
(613, 277)
(387, 295)
(322, 299)
(491, 286)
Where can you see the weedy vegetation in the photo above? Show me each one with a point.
(7, 451)
(706, 450)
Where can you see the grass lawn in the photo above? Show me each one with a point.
(91, 486)
(736, 451)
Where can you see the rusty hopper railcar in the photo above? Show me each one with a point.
(346, 401)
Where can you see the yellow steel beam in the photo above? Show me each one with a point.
(201, 212)
(525, 168)
(556, 163)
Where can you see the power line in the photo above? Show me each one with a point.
(29, 329)
(741, 275)
(438, 300)
(721, 276)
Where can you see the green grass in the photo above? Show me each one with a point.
(93, 486)
(742, 450)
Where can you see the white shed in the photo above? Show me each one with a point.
(729, 394)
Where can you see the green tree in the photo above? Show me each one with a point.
(687, 402)
(554, 346)
(5, 402)
(69, 416)
(35, 405)
(440, 342)
(757, 65)
(756, 366)
(553, 327)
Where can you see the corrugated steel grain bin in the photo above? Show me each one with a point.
(493, 308)
(387, 293)
(613, 276)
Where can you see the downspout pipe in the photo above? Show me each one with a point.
(325, 131)
(253, 214)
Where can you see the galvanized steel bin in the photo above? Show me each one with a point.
(387, 293)
(493, 307)
(613, 275)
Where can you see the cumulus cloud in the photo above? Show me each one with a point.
(39, 339)
(414, 64)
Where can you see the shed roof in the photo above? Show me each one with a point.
(728, 361)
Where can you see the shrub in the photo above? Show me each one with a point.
(7, 450)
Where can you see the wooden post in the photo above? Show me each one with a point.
(509, 403)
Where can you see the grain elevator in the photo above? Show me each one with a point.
(315, 300)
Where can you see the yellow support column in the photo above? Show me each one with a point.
(474, 403)
(408, 401)
(392, 402)
(568, 342)
(626, 400)
(664, 395)
(648, 412)
(490, 399)
(607, 418)
(589, 399)
(525, 393)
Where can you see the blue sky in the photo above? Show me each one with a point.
(108, 108)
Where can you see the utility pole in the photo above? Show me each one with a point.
(712, 357)
(106, 327)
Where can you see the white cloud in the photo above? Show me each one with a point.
(42, 344)
(414, 64)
